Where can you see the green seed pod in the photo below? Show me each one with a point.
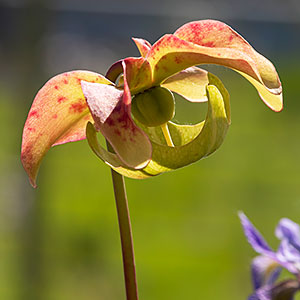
(153, 107)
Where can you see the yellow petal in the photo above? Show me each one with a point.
(190, 83)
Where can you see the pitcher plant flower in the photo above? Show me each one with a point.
(266, 268)
(132, 106)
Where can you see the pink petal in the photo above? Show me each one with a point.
(110, 108)
(58, 114)
(102, 99)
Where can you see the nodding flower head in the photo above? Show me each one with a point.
(267, 266)
(132, 106)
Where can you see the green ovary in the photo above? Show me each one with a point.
(153, 107)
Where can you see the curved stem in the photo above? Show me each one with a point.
(126, 236)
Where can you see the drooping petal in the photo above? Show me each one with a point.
(216, 34)
(110, 109)
(254, 238)
(75, 133)
(58, 114)
(264, 271)
(138, 73)
(190, 83)
(275, 102)
(143, 46)
(215, 43)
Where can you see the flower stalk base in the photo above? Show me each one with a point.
(126, 236)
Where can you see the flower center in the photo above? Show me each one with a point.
(154, 107)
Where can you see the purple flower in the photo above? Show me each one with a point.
(266, 267)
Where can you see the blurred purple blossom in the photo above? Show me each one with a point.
(266, 268)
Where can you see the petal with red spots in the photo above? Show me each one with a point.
(58, 115)
(214, 42)
(138, 74)
(216, 34)
(143, 46)
(112, 117)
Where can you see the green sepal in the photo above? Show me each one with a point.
(209, 139)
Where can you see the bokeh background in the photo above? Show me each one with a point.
(61, 241)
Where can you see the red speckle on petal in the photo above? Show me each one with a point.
(56, 87)
(208, 44)
(26, 154)
(117, 132)
(54, 116)
(110, 122)
(33, 113)
(31, 129)
(77, 107)
(177, 60)
(61, 99)
(65, 81)
(124, 122)
(78, 80)
(166, 69)
(122, 118)
(231, 38)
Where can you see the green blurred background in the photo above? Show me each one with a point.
(61, 241)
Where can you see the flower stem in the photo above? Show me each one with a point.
(126, 235)
(167, 134)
